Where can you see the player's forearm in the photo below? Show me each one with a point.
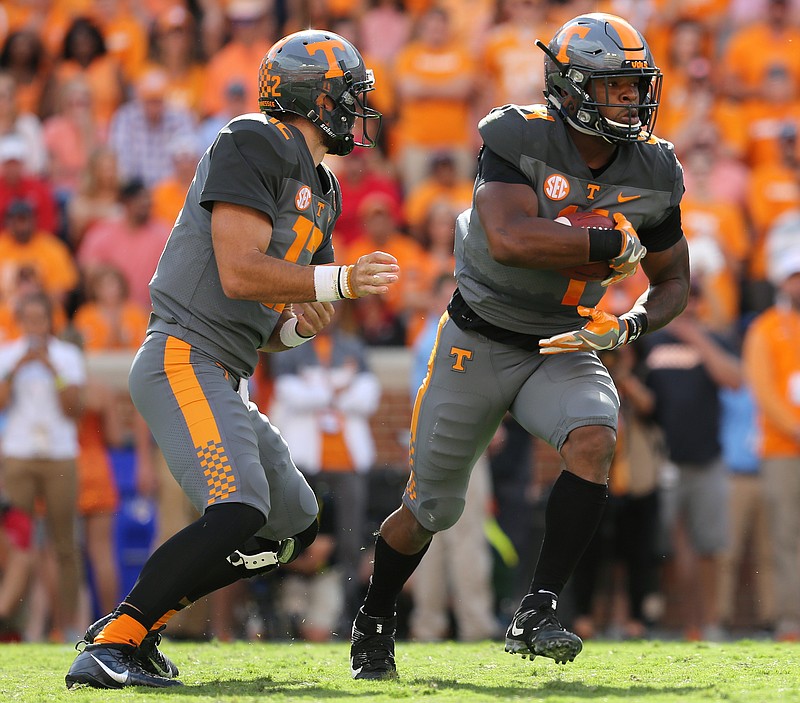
(538, 243)
(663, 302)
(266, 279)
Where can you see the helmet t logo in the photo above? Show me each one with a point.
(571, 32)
(327, 47)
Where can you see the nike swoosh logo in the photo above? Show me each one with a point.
(626, 198)
(121, 678)
(516, 631)
(354, 672)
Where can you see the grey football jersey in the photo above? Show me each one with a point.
(644, 182)
(264, 164)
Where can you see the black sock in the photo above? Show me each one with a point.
(390, 573)
(573, 512)
(173, 571)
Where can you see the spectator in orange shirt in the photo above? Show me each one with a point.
(407, 300)
(756, 49)
(23, 245)
(441, 185)
(717, 227)
(175, 52)
(435, 83)
(252, 32)
(15, 184)
(774, 190)
(510, 51)
(109, 320)
(124, 33)
(437, 236)
(24, 58)
(694, 105)
(772, 366)
(169, 194)
(767, 117)
(27, 283)
(85, 53)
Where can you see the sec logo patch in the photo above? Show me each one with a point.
(556, 187)
(303, 198)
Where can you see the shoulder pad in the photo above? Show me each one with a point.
(663, 164)
(278, 138)
(506, 129)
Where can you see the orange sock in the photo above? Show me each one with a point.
(163, 620)
(122, 630)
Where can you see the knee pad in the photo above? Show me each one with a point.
(438, 514)
(292, 547)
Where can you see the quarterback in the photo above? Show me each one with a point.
(520, 337)
(245, 268)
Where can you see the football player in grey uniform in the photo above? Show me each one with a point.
(520, 337)
(246, 268)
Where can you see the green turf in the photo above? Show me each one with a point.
(652, 672)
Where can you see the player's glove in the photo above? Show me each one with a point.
(632, 253)
(604, 331)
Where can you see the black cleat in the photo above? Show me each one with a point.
(372, 647)
(112, 666)
(536, 631)
(147, 654)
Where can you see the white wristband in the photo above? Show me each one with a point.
(289, 336)
(332, 283)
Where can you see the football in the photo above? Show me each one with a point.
(597, 270)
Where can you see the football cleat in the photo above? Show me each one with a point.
(147, 654)
(372, 647)
(535, 631)
(112, 666)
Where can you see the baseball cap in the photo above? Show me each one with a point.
(785, 265)
(12, 148)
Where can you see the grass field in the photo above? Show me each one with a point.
(651, 672)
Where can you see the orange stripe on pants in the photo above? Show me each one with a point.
(199, 418)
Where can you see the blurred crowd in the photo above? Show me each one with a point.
(106, 107)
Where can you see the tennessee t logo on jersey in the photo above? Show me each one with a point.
(460, 356)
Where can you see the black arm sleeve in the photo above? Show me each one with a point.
(665, 234)
(492, 167)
